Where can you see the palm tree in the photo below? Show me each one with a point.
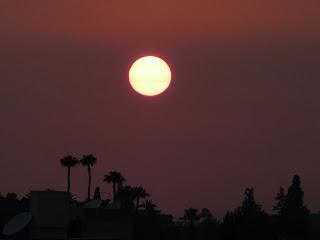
(139, 192)
(116, 179)
(205, 215)
(126, 195)
(149, 206)
(190, 216)
(69, 162)
(88, 161)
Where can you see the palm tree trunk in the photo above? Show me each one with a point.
(68, 179)
(89, 182)
(114, 191)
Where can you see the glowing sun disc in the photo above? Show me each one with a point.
(150, 76)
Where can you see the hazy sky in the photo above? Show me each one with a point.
(243, 109)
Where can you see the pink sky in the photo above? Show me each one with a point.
(242, 110)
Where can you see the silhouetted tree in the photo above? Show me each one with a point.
(12, 197)
(149, 206)
(97, 194)
(294, 214)
(254, 221)
(205, 215)
(191, 215)
(249, 205)
(88, 161)
(25, 202)
(126, 197)
(281, 199)
(139, 193)
(248, 221)
(116, 179)
(69, 162)
(208, 226)
(230, 225)
(278, 208)
(10, 205)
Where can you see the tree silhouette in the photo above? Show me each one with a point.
(294, 214)
(191, 215)
(249, 205)
(139, 193)
(205, 215)
(208, 226)
(281, 199)
(97, 194)
(88, 161)
(69, 162)
(278, 208)
(229, 226)
(254, 221)
(126, 196)
(12, 197)
(116, 179)
(248, 221)
(149, 206)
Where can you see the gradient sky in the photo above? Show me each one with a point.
(243, 109)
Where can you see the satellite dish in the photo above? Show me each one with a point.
(114, 205)
(16, 224)
(93, 204)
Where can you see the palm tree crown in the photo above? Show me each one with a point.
(116, 179)
(139, 192)
(126, 196)
(149, 206)
(88, 160)
(69, 162)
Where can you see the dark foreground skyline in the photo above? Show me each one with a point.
(130, 214)
(242, 110)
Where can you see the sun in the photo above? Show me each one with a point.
(150, 76)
